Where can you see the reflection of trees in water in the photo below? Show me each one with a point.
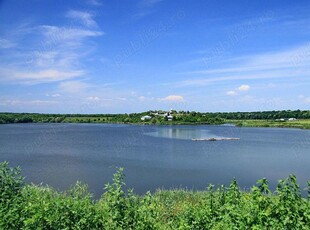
(182, 133)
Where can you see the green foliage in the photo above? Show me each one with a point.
(46, 208)
(133, 118)
(126, 211)
(114, 202)
(41, 207)
(300, 124)
(252, 119)
(266, 115)
(11, 184)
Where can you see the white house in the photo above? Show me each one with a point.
(170, 117)
(292, 119)
(145, 118)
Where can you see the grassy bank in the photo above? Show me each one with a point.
(300, 124)
(24, 206)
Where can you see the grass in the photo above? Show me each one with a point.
(300, 124)
(24, 206)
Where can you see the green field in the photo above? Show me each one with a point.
(300, 124)
(24, 206)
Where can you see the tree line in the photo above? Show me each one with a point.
(179, 117)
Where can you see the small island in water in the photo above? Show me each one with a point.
(217, 139)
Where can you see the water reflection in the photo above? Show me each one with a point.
(182, 133)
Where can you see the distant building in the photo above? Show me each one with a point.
(166, 115)
(145, 118)
(292, 119)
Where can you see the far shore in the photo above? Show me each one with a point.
(298, 124)
(303, 124)
(280, 119)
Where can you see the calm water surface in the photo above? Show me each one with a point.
(154, 156)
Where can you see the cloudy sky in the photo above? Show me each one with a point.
(118, 56)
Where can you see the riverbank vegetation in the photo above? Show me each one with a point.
(266, 115)
(24, 206)
(133, 118)
(300, 124)
(285, 118)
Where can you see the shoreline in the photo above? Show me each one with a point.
(243, 123)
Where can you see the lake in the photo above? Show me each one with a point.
(154, 156)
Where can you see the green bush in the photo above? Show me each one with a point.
(41, 207)
(11, 200)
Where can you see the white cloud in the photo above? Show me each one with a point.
(147, 99)
(85, 18)
(6, 44)
(231, 93)
(240, 88)
(49, 75)
(73, 86)
(93, 98)
(287, 63)
(45, 58)
(176, 98)
(142, 98)
(53, 95)
(55, 58)
(95, 2)
(27, 102)
(57, 34)
(146, 7)
(121, 98)
(243, 87)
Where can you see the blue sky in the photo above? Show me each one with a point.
(122, 56)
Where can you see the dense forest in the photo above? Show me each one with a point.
(24, 206)
(178, 117)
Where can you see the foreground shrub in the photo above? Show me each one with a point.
(11, 200)
(41, 207)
